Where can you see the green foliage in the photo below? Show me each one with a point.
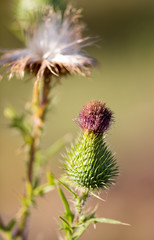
(68, 215)
(90, 163)
(18, 121)
(81, 228)
(7, 227)
(65, 186)
(106, 220)
(42, 157)
(74, 224)
(45, 188)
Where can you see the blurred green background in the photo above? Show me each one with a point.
(124, 79)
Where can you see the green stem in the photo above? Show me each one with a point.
(39, 111)
(79, 204)
(40, 105)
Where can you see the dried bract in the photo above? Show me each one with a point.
(53, 47)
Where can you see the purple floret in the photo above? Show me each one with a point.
(95, 117)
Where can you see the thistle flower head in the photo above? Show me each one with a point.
(90, 163)
(53, 46)
(95, 117)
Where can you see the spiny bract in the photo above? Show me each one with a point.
(90, 163)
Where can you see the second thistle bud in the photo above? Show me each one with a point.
(90, 163)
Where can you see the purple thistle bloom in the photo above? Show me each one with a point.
(95, 117)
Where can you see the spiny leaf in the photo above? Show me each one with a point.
(106, 220)
(18, 122)
(11, 225)
(64, 221)
(45, 188)
(41, 190)
(95, 195)
(66, 227)
(80, 230)
(64, 185)
(51, 179)
(68, 213)
(55, 148)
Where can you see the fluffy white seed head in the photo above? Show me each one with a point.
(54, 46)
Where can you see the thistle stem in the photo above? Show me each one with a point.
(39, 110)
(79, 204)
(31, 161)
(40, 103)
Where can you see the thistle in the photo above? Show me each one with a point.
(53, 47)
(54, 44)
(90, 163)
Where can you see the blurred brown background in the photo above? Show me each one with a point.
(125, 81)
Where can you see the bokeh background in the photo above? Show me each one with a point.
(124, 79)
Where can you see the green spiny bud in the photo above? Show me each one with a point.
(90, 163)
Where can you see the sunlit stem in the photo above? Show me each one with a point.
(80, 202)
(39, 110)
(40, 102)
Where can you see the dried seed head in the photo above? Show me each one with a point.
(95, 117)
(53, 47)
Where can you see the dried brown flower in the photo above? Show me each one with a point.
(53, 47)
